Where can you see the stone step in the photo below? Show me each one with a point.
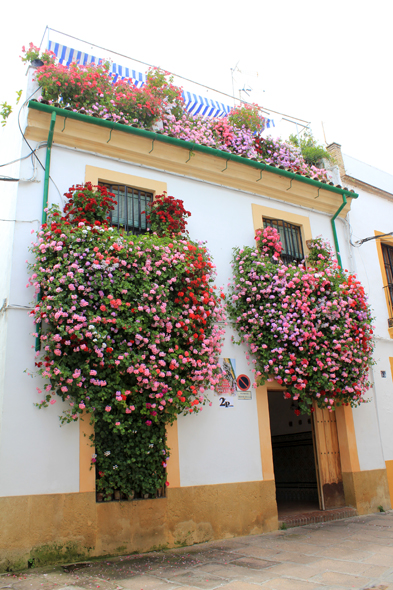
(301, 519)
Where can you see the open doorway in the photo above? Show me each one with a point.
(293, 456)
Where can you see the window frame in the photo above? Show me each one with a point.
(388, 287)
(260, 212)
(386, 241)
(130, 228)
(112, 177)
(288, 241)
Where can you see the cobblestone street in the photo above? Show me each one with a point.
(352, 553)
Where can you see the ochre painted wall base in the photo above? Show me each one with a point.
(389, 472)
(366, 490)
(69, 527)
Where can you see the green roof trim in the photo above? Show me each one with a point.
(194, 147)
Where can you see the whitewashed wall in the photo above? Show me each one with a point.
(36, 454)
(369, 213)
(221, 444)
(10, 150)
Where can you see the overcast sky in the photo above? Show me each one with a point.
(329, 62)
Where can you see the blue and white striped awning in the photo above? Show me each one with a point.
(194, 103)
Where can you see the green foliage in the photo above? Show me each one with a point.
(52, 553)
(138, 105)
(131, 334)
(5, 111)
(162, 87)
(247, 116)
(74, 85)
(283, 526)
(312, 151)
(167, 216)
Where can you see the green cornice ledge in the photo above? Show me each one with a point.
(194, 147)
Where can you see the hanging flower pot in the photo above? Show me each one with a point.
(37, 63)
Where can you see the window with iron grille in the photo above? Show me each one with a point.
(291, 240)
(387, 252)
(131, 208)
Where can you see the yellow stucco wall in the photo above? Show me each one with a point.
(67, 527)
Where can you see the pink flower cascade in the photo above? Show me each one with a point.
(269, 242)
(217, 133)
(95, 283)
(310, 329)
(132, 337)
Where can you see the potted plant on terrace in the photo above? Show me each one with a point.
(35, 57)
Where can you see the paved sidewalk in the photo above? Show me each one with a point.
(352, 553)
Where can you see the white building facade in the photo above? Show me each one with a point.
(222, 466)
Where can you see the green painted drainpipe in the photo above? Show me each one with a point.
(45, 204)
(332, 221)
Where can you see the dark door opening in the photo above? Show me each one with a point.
(293, 456)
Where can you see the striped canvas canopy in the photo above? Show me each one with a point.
(194, 103)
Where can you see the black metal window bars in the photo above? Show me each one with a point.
(131, 208)
(387, 253)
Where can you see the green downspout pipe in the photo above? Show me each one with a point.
(332, 221)
(45, 204)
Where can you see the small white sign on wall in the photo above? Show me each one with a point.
(244, 394)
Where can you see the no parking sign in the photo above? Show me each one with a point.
(243, 383)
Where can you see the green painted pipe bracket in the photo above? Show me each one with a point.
(110, 135)
(65, 120)
(226, 166)
(191, 153)
(260, 177)
(290, 186)
(152, 146)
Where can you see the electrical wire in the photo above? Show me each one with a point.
(22, 220)
(360, 242)
(22, 158)
(16, 306)
(33, 151)
(20, 128)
